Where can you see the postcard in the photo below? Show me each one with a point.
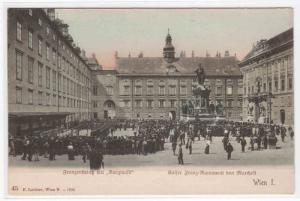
(150, 101)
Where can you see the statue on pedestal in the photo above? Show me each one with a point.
(200, 75)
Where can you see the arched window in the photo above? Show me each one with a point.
(150, 87)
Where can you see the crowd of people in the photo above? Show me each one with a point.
(149, 137)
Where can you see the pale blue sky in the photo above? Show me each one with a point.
(104, 31)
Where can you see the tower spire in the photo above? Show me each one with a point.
(169, 50)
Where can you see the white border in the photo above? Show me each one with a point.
(144, 4)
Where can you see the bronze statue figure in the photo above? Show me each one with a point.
(200, 75)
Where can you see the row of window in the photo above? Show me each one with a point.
(63, 63)
(161, 90)
(162, 103)
(171, 90)
(278, 66)
(64, 84)
(258, 88)
(207, 82)
(47, 99)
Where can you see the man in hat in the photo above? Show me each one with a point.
(174, 144)
(225, 141)
(243, 143)
(229, 150)
(206, 151)
(180, 155)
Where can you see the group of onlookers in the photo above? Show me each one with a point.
(149, 137)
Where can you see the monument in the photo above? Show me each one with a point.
(198, 108)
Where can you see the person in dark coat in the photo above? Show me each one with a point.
(12, 150)
(265, 142)
(52, 149)
(282, 133)
(252, 143)
(93, 158)
(30, 150)
(26, 143)
(182, 137)
(180, 155)
(100, 158)
(35, 150)
(243, 144)
(229, 150)
(206, 151)
(258, 142)
(225, 142)
(96, 159)
(292, 135)
(85, 152)
(291, 132)
(174, 144)
(190, 142)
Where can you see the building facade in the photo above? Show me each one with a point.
(105, 94)
(268, 81)
(48, 81)
(52, 84)
(157, 87)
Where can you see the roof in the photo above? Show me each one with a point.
(105, 72)
(284, 39)
(183, 65)
(36, 114)
(92, 60)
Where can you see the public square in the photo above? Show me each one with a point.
(283, 155)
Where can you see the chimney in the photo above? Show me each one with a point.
(83, 53)
(116, 54)
(181, 54)
(207, 54)
(193, 54)
(141, 55)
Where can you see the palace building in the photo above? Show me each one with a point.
(52, 84)
(268, 81)
(157, 87)
(48, 81)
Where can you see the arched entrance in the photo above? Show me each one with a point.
(109, 109)
(172, 115)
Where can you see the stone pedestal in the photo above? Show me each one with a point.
(198, 105)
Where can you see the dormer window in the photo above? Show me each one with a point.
(172, 69)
